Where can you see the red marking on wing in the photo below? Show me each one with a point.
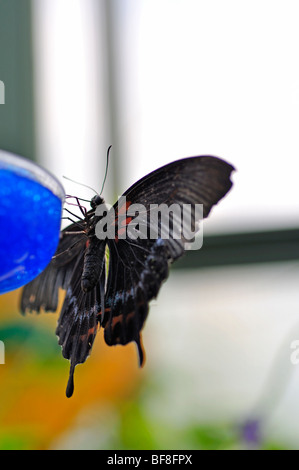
(90, 332)
(126, 221)
(119, 318)
(123, 209)
(107, 309)
(121, 231)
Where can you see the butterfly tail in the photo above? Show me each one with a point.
(70, 385)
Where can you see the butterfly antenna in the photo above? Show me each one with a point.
(106, 171)
(68, 196)
(81, 184)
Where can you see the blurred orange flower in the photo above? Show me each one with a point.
(34, 410)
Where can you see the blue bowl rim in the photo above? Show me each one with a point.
(28, 168)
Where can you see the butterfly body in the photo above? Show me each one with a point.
(116, 296)
(93, 263)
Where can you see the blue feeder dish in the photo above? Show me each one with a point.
(31, 202)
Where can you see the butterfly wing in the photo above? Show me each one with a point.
(78, 321)
(42, 292)
(137, 267)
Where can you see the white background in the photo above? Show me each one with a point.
(192, 77)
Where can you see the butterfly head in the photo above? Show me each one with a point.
(96, 201)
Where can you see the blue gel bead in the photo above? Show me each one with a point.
(30, 216)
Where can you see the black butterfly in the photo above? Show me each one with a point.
(119, 302)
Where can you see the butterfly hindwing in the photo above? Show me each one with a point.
(78, 321)
(136, 271)
(79, 318)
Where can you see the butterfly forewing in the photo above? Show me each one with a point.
(42, 292)
(139, 266)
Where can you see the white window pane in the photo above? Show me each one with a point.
(191, 77)
(219, 78)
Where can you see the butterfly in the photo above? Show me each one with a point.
(110, 279)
